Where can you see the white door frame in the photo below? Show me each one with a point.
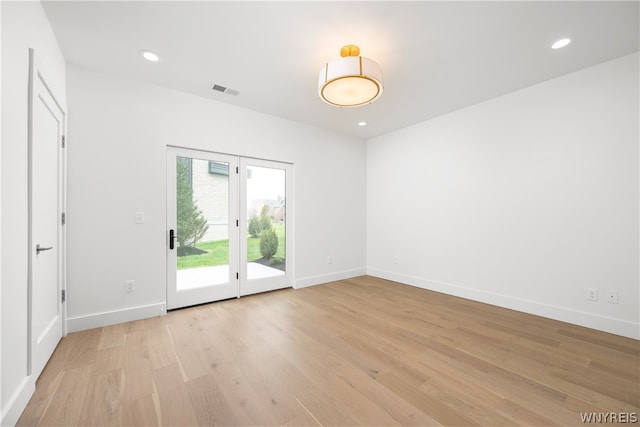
(252, 286)
(237, 250)
(37, 76)
(199, 295)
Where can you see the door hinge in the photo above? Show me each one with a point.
(64, 218)
(64, 141)
(237, 170)
(237, 223)
(237, 276)
(64, 295)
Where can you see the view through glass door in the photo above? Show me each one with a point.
(266, 218)
(202, 209)
(226, 226)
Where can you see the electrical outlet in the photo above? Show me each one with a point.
(592, 294)
(329, 260)
(130, 285)
(139, 217)
(612, 297)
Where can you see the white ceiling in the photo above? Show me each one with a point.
(436, 57)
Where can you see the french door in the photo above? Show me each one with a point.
(229, 232)
(266, 224)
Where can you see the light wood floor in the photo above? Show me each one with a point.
(363, 351)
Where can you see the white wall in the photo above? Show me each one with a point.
(118, 131)
(524, 201)
(1, 405)
(24, 26)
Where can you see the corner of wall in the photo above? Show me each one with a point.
(98, 320)
(305, 282)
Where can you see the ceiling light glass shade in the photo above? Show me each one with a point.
(350, 81)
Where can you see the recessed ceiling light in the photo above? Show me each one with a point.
(149, 56)
(361, 124)
(559, 44)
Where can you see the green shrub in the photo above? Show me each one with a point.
(191, 223)
(265, 220)
(268, 243)
(255, 226)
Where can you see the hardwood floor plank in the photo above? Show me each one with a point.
(614, 370)
(623, 390)
(108, 359)
(621, 344)
(210, 404)
(102, 404)
(286, 408)
(345, 396)
(521, 392)
(322, 405)
(357, 352)
(175, 407)
(113, 336)
(139, 412)
(481, 408)
(427, 403)
(137, 366)
(67, 403)
(41, 399)
(160, 347)
(520, 415)
(364, 381)
(242, 398)
(85, 347)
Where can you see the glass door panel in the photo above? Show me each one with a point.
(265, 219)
(201, 216)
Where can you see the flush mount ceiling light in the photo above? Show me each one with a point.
(559, 44)
(149, 56)
(351, 80)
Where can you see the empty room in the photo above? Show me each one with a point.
(319, 213)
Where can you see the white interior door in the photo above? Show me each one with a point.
(266, 225)
(46, 239)
(202, 227)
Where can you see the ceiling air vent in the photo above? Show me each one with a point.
(226, 90)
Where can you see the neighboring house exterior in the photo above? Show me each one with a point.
(277, 211)
(210, 183)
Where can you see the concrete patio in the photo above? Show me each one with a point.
(207, 276)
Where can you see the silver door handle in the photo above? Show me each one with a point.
(39, 249)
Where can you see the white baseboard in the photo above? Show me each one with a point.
(18, 402)
(326, 278)
(563, 314)
(98, 320)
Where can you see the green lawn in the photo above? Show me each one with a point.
(217, 251)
